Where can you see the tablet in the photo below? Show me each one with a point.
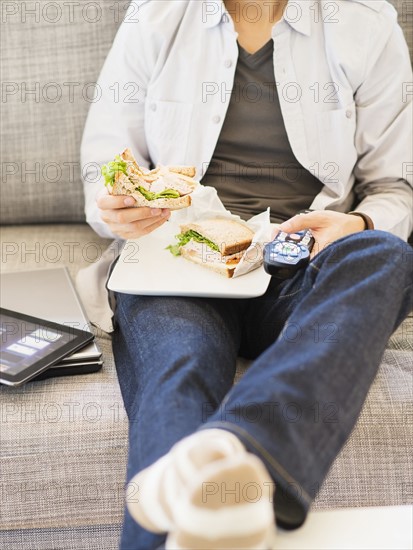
(29, 345)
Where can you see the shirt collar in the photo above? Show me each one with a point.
(297, 14)
(212, 12)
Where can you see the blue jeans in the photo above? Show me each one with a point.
(316, 341)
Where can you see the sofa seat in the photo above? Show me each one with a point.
(64, 440)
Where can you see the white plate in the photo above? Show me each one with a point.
(145, 267)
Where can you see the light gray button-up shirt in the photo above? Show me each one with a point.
(344, 81)
(345, 88)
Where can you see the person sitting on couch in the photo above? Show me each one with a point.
(292, 105)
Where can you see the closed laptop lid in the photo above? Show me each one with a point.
(49, 294)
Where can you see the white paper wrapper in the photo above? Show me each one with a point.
(206, 204)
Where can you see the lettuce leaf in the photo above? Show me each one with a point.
(118, 165)
(184, 238)
(165, 194)
(111, 168)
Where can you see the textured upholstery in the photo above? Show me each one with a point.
(103, 537)
(63, 441)
(57, 54)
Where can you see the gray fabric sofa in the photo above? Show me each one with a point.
(63, 441)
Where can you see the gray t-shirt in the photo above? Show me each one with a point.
(253, 166)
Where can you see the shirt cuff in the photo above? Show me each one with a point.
(368, 222)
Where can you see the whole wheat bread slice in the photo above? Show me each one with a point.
(230, 236)
(122, 185)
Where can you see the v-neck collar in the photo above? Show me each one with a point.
(259, 55)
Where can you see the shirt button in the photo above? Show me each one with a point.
(216, 119)
(153, 107)
(349, 114)
(228, 63)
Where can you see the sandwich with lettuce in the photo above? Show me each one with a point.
(216, 243)
(163, 187)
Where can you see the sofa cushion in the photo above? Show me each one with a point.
(64, 440)
(52, 53)
(51, 56)
(63, 450)
(103, 537)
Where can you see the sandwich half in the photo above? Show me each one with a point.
(217, 244)
(163, 187)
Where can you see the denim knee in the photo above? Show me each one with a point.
(381, 248)
(390, 249)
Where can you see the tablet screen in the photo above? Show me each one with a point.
(29, 345)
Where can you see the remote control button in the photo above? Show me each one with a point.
(291, 250)
(295, 236)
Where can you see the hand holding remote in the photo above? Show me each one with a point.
(326, 226)
(321, 228)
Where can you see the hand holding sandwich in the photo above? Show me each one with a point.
(127, 222)
(137, 200)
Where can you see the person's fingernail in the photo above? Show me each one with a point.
(155, 211)
(165, 213)
(129, 201)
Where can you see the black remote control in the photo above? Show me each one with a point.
(288, 253)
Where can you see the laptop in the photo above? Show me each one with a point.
(50, 294)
